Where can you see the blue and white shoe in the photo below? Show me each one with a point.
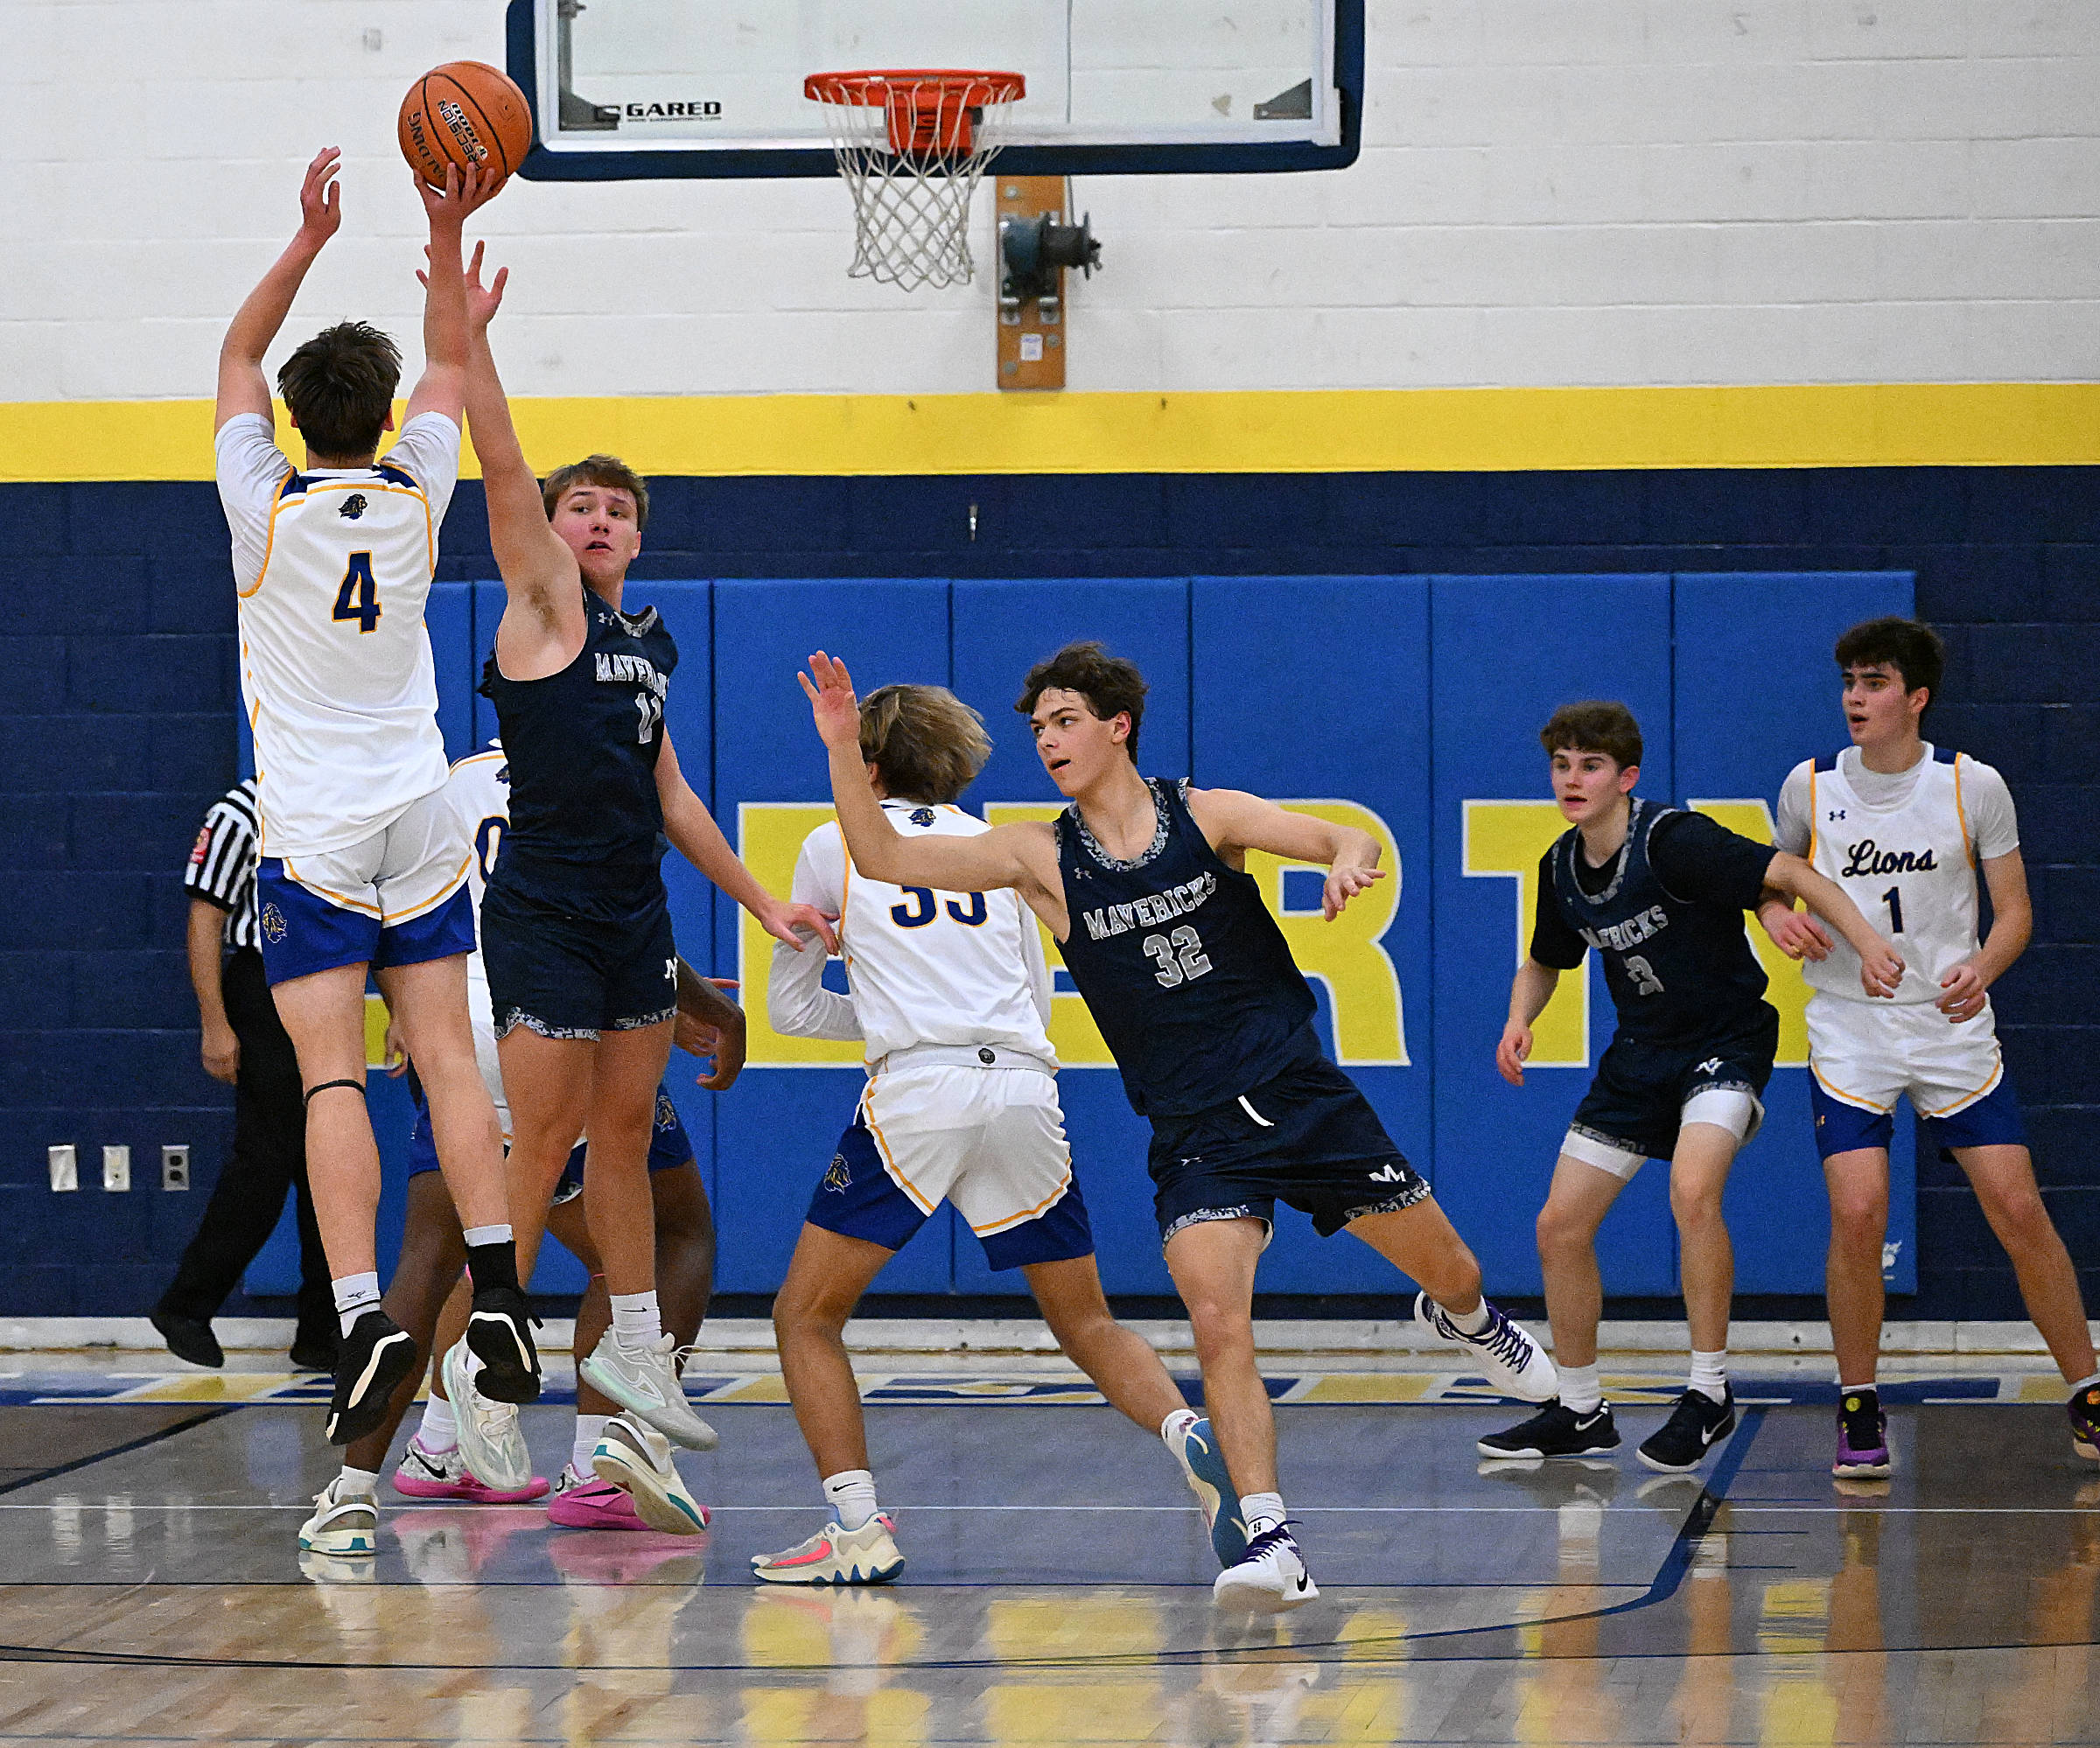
(1209, 1479)
(1506, 1351)
(1268, 1578)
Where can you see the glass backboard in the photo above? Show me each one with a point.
(624, 88)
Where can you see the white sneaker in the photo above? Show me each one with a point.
(1506, 1351)
(1271, 1578)
(489, 1440)
(833, 1556)
(637, 1458)
(645, 1383)
(343, 1524)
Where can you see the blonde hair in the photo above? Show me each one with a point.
(926, 743)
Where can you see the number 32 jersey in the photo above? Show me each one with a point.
(334, 566)
(951, 968)
(1902, 846)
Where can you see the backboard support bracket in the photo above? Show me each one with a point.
(1031, 322)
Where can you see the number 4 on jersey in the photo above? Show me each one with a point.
(359, 597)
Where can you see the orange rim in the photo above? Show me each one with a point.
(877, 86)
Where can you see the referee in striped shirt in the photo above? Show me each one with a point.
(245, 1044)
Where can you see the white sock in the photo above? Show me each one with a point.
(487, 1234)
(1175, 1424)
(1469, 1323)
(1845, 1390)
(364, 1481)
(440, 1427)
(355, 1295)
(1261, 1511)
(2082, 1384)
(1709, 1374)
(1580, 1393)
(850, 1497)
(589, 1428)
(637, 1320)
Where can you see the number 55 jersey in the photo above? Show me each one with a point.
(334, 566)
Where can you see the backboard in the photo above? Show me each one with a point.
(628, 88)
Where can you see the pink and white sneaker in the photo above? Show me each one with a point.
(585, 1502)
(444, 1475)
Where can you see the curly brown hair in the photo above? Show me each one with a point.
(1112, 685)
(1594, 725)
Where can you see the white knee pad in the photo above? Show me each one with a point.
(1734, 1108)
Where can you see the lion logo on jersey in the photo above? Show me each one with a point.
(667, 1113)
(839, 1179)
(273, 924)
(353, 506)
(923, 816)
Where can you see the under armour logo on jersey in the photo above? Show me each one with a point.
(1711, 1066)
(839, 1179)
(1836, 813)
(351, 508)
(923, 816)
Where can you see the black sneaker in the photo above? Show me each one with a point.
(376, 1355)
(1555, 1430)
(316, 1350)
(498, 1331)
(1695, 1426)
(189, 1337)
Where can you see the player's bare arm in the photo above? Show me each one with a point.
(1529, 995)
(1881, 964)
(708, 1025)
(544, 624)
(446, 339)
(2011, 927)
(1022, 856)
(695, 836)
(1235, 822)
(242, 387)
(1795, 932)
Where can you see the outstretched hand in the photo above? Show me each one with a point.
(465, 192)
(832, 701)
(321, 197)
(1343, 883)
(482, 301)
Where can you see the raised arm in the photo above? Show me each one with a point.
(695, 836)
(1233, 820)
(242, 387)
(1008, 856)
(544, 624)
(1881, 964)
(442, 388)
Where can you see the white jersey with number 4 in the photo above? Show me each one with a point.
(933, 968)
(1903, 847)
(334, 566)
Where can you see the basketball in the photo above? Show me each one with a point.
(464, 113)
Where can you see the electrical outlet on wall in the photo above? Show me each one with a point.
(175, 1166)
(64, 1167)
(116, 1168)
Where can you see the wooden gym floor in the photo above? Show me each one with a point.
(1058, 1585)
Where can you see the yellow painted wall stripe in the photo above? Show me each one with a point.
(1959, 424)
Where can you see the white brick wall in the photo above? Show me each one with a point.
(1551, 191)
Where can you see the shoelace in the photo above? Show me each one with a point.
(1275, 1535)
(1503, 1339)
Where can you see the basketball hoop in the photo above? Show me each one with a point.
(911, 145)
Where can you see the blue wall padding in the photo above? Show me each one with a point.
(1409, 695)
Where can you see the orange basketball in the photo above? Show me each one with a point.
(464, 113)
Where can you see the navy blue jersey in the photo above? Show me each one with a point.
(1185, 970)
(1677, 959)
(586, 828)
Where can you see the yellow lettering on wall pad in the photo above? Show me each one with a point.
(1786, 988)
(1504, 841)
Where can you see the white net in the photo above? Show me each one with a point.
(912, 146)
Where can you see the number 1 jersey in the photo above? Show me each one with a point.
(332, 567)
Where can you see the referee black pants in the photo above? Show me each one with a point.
(268, 1157)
